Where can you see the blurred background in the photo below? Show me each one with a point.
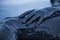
(11, 8)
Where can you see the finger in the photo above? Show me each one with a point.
(26, 13)
(33, 19)
(32, 24)
(40, 21)
(28, 18)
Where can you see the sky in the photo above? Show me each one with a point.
(10, 8)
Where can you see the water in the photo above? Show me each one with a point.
(11, 9)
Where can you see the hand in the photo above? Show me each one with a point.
(32, 16)
(38, 15)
